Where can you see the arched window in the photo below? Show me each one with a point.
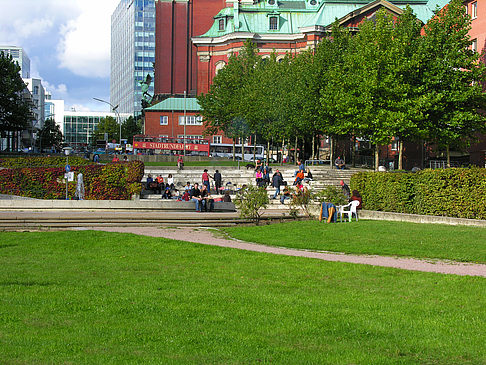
(219, 65)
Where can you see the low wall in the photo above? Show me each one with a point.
(32, 204)
(415, 218)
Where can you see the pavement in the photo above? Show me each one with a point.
(214, 237)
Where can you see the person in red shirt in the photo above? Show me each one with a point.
(205, 179)
(115, 158)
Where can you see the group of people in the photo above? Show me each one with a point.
(159, 186)
(199, 193)
(202, 197)
(262, 174)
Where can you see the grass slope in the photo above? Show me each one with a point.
(97, 298)
(459, 243)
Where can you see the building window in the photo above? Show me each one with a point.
(273, 23)
(217, 139)
(219, 66)
(474, 10)
(36, 90)
(221, 24)
(189, 136)
(164, 120)
(474, 45)
(190, 120)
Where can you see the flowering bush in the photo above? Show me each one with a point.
(113, 181)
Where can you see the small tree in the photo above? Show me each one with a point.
(110, 126)
(302, 201)
(250, 200)
(331, 194)
(49, 136)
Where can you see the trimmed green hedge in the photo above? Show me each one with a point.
(113, 181)
(54, 161)
(454, 192)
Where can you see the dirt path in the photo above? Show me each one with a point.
(207, 237)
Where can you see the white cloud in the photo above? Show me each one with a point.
(85, 45)
(24, 21)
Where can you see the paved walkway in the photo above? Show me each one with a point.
(207, 237)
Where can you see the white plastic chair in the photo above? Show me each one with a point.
(352, 210)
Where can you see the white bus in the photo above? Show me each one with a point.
(226, 150)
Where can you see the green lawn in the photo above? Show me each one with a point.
(459, 243)
(97, 298)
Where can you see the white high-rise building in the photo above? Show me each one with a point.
(20, 56)
(38, 100)
(132, 53)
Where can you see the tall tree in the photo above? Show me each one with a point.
(223, 103)
(451, 91)
(15, 111)
(131, 127)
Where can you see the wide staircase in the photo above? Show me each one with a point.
(236, 178)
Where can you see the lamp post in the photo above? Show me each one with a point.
(185, 121)
(115, 110)
(67, 151)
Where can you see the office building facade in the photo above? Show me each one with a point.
(132, 53)
(20, 56)
(79, 127)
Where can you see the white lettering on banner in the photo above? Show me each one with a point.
(170, 146)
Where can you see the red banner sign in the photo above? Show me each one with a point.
(171, 146)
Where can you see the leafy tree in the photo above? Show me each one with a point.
(131, 127)
(110, 126)
(49, 136)
(451, 90)
(250, 200)
(15, 111)
(223, 103)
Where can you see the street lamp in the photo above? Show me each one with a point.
(115, 110)
(67, 151)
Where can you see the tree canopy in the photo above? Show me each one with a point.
(15, 110)
(394, 78)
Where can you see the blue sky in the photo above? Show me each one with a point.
(68, 42)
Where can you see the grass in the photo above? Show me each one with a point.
(458, 243)
(96, 298)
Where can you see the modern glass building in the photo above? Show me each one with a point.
(132, 53)
(79, 127)
(20, 56)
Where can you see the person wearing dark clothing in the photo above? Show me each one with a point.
(308, 177)
(217, 181)
(196, 197)
(267, 170)
(345, 188)
(227, 197)
(286, 195)
(339, 163)
(277, 181)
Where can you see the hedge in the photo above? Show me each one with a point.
(456, 192)
(113, 181)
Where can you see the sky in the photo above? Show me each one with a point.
(68, 43)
